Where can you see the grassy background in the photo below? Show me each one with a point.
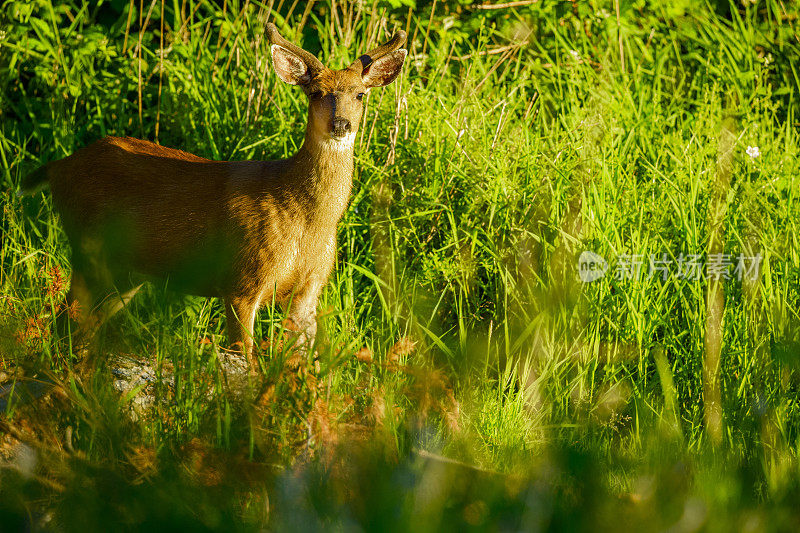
(466, 377)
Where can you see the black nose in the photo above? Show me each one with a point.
(340, 126)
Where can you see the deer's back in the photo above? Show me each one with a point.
(122, 175)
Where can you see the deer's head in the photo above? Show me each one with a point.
(336, 96)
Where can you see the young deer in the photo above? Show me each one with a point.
(248, 231)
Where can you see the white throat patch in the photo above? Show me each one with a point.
(339, 144)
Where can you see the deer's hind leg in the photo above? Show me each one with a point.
(95, 293)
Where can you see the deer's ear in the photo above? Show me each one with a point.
(384, 70)
(290, 68)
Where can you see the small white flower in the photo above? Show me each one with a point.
(753, 151)
(575, 55)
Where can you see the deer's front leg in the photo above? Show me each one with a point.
(302, 311)
(240, 317)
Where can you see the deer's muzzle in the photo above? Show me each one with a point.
(340, 127)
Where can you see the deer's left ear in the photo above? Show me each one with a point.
(384, 70)
(290, 67)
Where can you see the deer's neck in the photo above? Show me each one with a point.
(328, 168)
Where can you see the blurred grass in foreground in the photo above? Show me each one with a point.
(467, 377)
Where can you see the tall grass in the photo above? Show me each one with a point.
(466, 376)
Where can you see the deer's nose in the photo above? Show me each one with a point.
(341, 126)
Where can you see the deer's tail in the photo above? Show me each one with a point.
(34, 182)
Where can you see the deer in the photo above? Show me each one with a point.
(248, 232)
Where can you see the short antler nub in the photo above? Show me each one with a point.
(393, 44)
(313, 64)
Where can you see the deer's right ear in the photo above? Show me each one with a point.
(384, 70)
(290, 68)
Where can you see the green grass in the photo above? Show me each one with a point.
(466, 377)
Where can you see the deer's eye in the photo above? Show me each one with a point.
(360, 96)
(315, 95)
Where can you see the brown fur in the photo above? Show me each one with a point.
(248, 231)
